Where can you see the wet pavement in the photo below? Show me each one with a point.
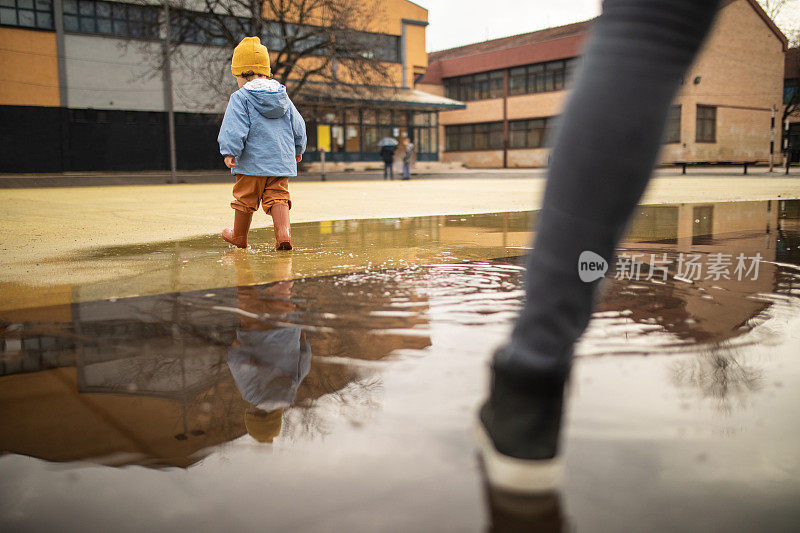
(187, 385)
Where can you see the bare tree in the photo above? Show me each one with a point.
(317, 47)
(781, 12)
(773, 8)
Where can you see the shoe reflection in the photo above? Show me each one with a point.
(268, 359)
(509, 512)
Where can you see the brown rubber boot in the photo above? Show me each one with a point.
(237, 235)
(280, 223)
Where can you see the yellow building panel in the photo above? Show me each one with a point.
(390, 75)
(378, 16)
(416, 56)
(399, 10)
(28, 68)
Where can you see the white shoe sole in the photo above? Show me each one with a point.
(523, 476)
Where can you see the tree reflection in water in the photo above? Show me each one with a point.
(718, 373)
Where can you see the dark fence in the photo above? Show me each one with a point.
(53, 139)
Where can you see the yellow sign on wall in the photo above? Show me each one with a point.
(324, 137)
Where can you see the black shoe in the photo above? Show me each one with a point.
(518, 429)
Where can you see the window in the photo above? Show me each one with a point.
(496, 83)
(673, 133)
(79, 115)
(465, 88)
(110, 18)
(385, 117)
(516, 133)
(377, 46)
(422, 119)
(451, 88)
(706, 124)
(27, 13)
(102, 117)
(483, 136)
(480, 136)
(556, 70)
(368, 116)
(130, 117)
(516, 81)
(536, 78)
(465, 134)
(481, 89)
(400, 118)
(451, 138)
(570, 66)
(528, 133)
(790, 92)
(476, 87)
(496, 135)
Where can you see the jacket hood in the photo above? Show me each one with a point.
(267, 96)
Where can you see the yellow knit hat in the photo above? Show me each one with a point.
(262, 425)
(250, 54)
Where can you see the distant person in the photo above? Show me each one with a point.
(408, 158)
(262, 139)
(387, 155)
(604, 152)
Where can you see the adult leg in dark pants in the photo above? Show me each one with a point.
(602, 158)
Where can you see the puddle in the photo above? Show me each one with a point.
(332, 388)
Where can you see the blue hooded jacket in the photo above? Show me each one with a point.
(263, 130)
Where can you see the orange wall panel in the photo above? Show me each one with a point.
(29, 67)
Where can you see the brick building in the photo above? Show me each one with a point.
(515, 88)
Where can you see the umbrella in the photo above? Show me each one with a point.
(388, 141)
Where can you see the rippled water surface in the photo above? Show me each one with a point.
(188, 385)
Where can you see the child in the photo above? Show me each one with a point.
(262, 139)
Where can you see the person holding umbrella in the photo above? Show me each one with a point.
(388, 146)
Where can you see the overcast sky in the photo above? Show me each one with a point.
(459, 22)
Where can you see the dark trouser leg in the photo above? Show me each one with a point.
(604, 152)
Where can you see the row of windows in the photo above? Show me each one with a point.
(354, 138)
(27, 13)
(533, 133)
(111, 18)
(529, 133)
(536, 78)
(106, 116)
(139, 21)
(705, 124)
(489, 135)
(485, 136)
(383, 117)
(476, 86)
(204, 28)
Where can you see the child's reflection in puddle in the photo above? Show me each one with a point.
(268, 361)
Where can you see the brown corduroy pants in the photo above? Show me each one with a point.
(250, 191)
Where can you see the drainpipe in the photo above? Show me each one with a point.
(58, 22)
(772, 138)
(58, 14)
(403, 55)
(505, 119)
(167, 75)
